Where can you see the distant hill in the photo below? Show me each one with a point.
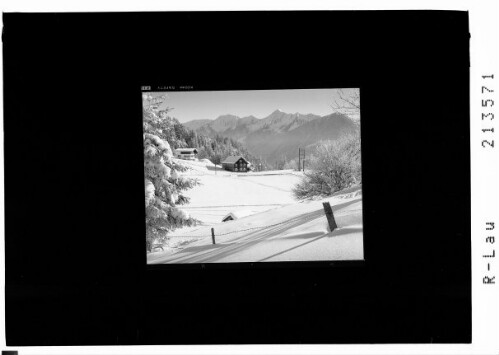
(279, 135)
(194, 125)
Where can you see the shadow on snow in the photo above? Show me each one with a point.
(214, 252)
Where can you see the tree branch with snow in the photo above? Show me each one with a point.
(163, 184)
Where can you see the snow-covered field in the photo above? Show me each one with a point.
(276, 226)
(222, 191)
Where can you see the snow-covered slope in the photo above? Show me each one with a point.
(222, 192)
(281, 229)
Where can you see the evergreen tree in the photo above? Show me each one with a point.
(163, 184)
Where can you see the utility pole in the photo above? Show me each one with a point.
(303, 159)
(299, 157)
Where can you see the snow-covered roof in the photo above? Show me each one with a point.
(232, 159)
(238, 214)
(188, 150)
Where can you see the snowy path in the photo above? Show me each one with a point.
(303, 236)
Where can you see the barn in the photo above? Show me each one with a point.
(236, 163)
(186, 153)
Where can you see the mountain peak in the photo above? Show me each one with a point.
(277, 113)
(227, 116)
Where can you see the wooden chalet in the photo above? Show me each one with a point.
(236, 163)
(186, 153)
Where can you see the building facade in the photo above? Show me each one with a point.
(236, 163)
(186, 153)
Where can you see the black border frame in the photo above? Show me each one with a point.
(76, 272)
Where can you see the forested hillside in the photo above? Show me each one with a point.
(215, 148)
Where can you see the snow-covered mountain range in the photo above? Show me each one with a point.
(279, 135)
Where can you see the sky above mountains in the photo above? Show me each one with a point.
(195, 105)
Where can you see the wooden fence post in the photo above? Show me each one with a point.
(213, 235)
(329, 215)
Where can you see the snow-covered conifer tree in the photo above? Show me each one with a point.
(163, 183)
